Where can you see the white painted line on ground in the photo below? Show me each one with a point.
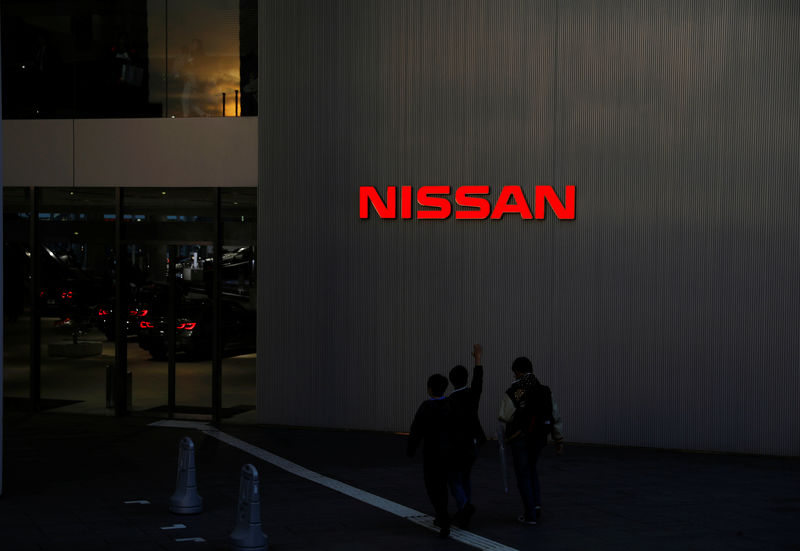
(137, 502)
(195, 540)
(176, 424)
(462, 536)
(174, 527)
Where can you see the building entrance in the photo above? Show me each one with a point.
(142, 304)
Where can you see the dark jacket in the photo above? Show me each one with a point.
(431, 428)
(529, 411)
(466, 424)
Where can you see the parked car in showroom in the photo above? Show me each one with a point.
(104, 317)
(64, 289)
(194, 328)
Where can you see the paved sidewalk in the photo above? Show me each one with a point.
(67, 477)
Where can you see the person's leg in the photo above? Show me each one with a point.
(436, 486)
(455, 480)
(522, 470)
(467, 475)
(465, 514)
(534, 450)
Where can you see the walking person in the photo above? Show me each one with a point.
(431, 428)
(467, 435)
(530, 416)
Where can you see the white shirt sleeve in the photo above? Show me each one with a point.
(556, 433)
(507, 408)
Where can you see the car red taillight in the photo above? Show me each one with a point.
(188, 326)
(145, 325)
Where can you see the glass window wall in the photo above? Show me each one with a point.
(167, 287)
(129, 58)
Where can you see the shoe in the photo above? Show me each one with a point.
(527, 519)
(464, 516)
(444, 526)
(458, 518)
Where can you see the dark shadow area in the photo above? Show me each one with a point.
(15, 404)
(226, 413)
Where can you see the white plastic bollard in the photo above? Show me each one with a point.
(247, 535)
(185, 500)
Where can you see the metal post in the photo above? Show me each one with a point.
(236, 102)
(121, 311)
(2, 327)
(216, 361)
(223, 104)
(36, 315)
(171, 324)
(165, 110)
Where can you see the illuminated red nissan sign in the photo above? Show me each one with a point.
(471, 203)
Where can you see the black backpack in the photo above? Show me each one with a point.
(534, 415)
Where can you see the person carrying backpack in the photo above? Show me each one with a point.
(530, 416)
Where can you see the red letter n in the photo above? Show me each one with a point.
(368, 194)
(565, 211)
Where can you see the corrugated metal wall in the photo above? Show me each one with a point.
(667, 314)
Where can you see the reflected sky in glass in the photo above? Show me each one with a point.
(200, 40)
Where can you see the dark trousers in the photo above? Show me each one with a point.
(459, 479)
(525, 452)
(436, 485)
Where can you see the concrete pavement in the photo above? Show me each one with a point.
(68, 478)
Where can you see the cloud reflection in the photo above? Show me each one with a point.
(201, 41)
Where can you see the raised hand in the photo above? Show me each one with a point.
(477, 352)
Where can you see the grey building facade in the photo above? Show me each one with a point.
(665, 314)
